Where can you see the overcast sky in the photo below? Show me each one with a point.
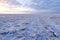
(30, 5)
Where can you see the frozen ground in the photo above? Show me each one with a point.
(28, 27)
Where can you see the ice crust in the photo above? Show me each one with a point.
(22, 27)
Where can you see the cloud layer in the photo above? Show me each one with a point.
(15, 6)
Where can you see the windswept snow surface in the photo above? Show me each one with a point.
(27, 27)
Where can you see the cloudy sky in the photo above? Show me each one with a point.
(19, 6)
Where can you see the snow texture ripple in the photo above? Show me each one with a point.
(22, 27)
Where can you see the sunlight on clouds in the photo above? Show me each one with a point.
(6, 8)
(15, 10)
(25, 2)
(3, 8)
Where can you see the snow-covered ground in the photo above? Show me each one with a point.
(29, 27)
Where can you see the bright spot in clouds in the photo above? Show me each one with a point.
(23, 6)
(10, 8)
